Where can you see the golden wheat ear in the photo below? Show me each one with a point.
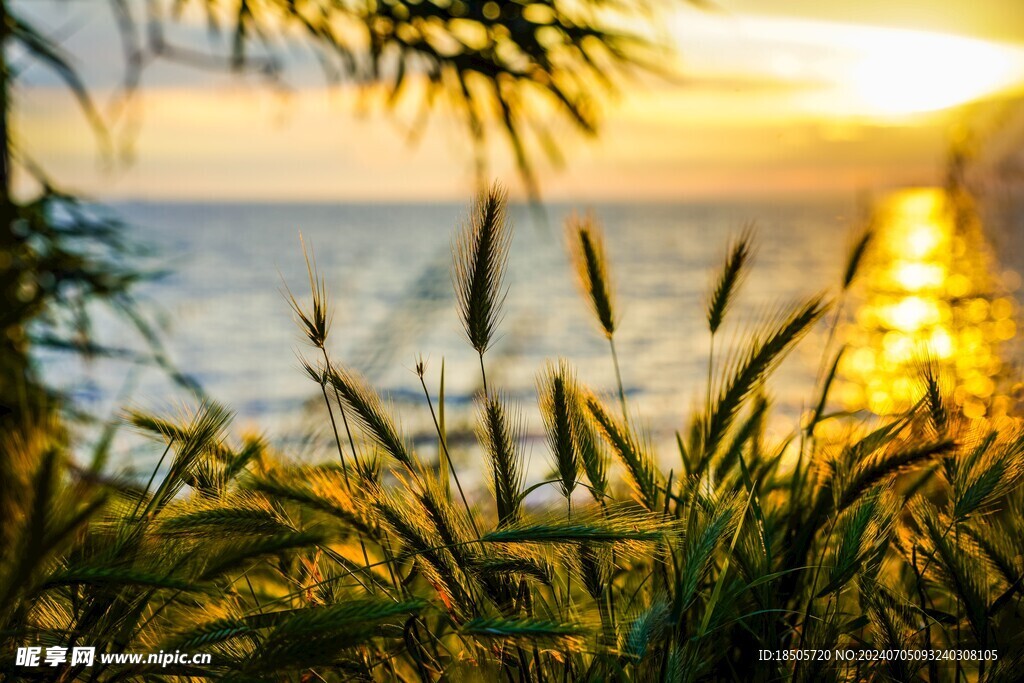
(480, 259)
(731, 277)
(556, 389)
(500, 431)
(372, 415)
(585, 241)
(316, 320)
(856, 257)
(586, 248)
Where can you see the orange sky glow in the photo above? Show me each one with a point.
(764, 105)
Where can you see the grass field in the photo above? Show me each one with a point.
(748, 557)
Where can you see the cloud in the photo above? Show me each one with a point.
(762, 105)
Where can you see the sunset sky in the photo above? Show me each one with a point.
(801, 97)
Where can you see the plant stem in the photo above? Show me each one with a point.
(568, 592)
(152, 477)
(344, 473)
(618, 379)
(711, 366)
(337, 438)
(483, 374)
(611, 576)
(830, 340)
(568, 578)
(341, 407)
(933, 670)
(959, 610)
(344, 468)
(252, 592)
(447, 455)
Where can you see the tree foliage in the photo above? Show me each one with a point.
(514, 69)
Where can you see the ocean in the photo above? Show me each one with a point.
(227, 324)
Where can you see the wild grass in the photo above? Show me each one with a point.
(900, 535)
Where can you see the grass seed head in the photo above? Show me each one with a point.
(586, 247)
(480, 259)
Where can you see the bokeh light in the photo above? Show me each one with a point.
(931, 289)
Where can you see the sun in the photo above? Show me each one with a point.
(909, 72)
(839, 70)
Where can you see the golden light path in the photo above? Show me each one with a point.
(930, 291)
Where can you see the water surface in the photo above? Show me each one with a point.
(386, 267)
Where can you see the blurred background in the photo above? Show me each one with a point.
(212, 133)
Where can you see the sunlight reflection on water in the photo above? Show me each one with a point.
(932, 288)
